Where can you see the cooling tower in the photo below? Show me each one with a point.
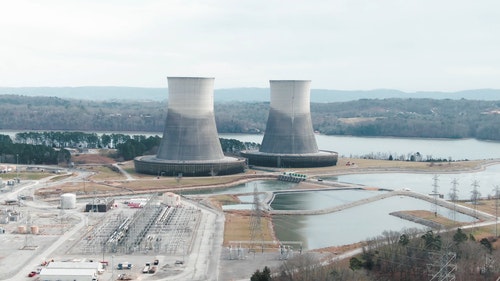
(289, 140)
(190, 144)
(190, 132)
(289, 127)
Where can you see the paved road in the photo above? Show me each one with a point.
(203, 260)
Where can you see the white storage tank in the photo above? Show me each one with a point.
(68, 201)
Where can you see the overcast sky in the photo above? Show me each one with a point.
(409, 45)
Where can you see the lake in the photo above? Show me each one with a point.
(347, 146)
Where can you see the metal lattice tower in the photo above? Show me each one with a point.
(475, 195)
(454, 196)
(28, 238)
(444, 266)
(497, 195)
(255, 219)
(435, 193)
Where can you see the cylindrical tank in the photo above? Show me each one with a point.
(190, 133)
(68, 201)
(34, 229)
(289, 127)
(21, 229)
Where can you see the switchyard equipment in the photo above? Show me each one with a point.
(99, 205)
(155, 227)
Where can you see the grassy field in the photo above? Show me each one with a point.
(430, 216)
(354, 165)
(25, 175)
(105, 172)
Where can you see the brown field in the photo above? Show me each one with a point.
(61, 177)
(224, 199)
(237, 227)
(377, 166)
(430, 216)
(24, 175)
(104, 172)
(487, 206)
(91, 159)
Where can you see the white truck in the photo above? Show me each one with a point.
(146, 268)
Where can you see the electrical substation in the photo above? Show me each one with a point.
(154, 227)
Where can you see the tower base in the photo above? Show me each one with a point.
(307, 160)
(171, 168)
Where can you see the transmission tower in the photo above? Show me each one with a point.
(255, 219)
(475, 195)
(454, 197)
(443, 267)
(435, 194)
(28, 238)
(497, 195)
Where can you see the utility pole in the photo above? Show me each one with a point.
(454, 197)
(475, 195)
(255, 220)
(435, 193)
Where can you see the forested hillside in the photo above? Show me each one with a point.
(429, 118)
(250, 94)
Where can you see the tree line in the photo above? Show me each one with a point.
(408, 255)
(21, 153)
(50, 147)
(396, 117)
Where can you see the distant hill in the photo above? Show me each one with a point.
(239, 94)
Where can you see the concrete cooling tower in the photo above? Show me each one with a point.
(289, 140)
(289, 127)
(190, 144)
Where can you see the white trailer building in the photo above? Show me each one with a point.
(97, 266)
(68, 274)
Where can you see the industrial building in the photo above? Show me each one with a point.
(68, 274)
(99, 205)
(71, 271)
(289, 139)
(190, 144)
